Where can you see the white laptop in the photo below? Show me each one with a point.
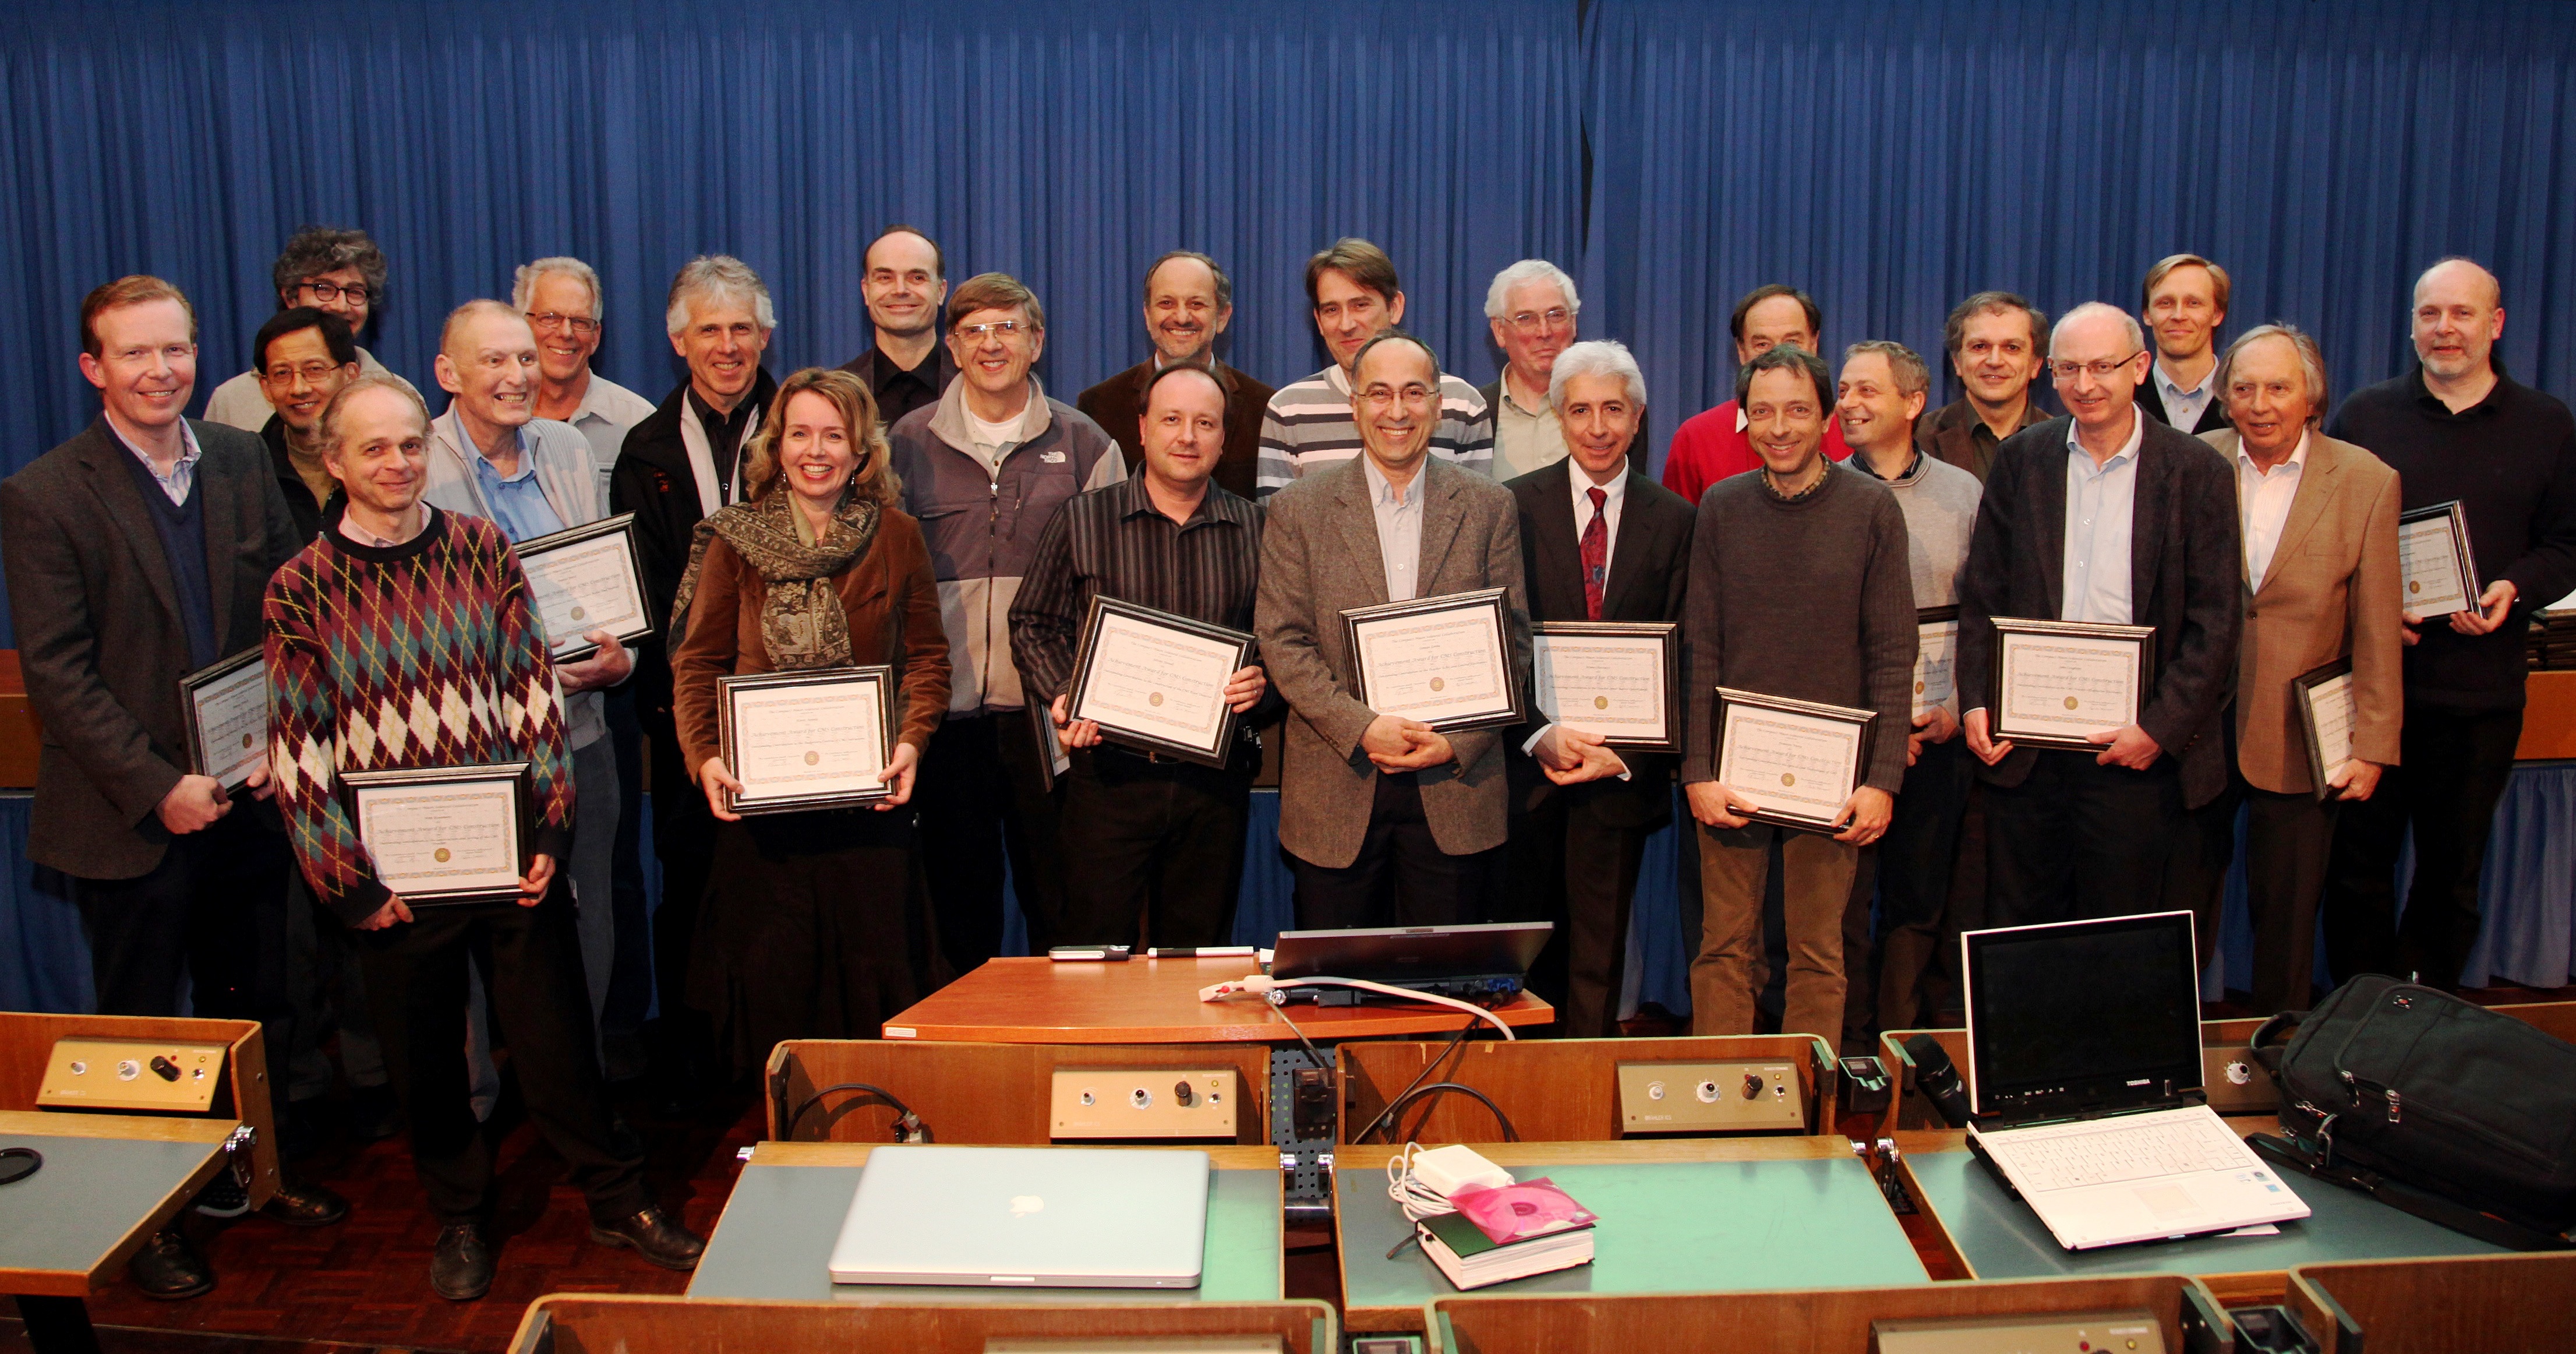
(2085, 1073)
(1026, 1217)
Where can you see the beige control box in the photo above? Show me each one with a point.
(1711, 1097)
(1142, 1102)
(109, 1074)
(2133, 1332)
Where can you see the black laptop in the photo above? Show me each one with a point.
(1488, 960)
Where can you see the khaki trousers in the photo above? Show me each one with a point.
(1728, 973)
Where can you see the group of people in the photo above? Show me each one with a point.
(929, 507)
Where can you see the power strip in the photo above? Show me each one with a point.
(1711, 1097)
(1143, 1102)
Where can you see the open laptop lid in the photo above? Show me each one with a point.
(2079, 1017)
(1411, 954)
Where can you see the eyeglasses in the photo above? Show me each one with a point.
(1379, 397)
(333, 291)
(1540, 321)
(2102, 370)
(314, 372)
(551, 323)
(1000, 329)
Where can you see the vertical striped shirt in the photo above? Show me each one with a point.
(1113, 541)
(1308, 427)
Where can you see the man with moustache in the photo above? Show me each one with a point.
(302, 357)
(1188, 303)
(1998, 344)
(1534, 314)
(1718, 443)
(1151, 837)
(338, 272)
(904, 286)
(2183, 302)
(1599, 542)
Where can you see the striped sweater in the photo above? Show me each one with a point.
(416, 655)
(1308, 428)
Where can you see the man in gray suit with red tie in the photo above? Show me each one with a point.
(1599, 542)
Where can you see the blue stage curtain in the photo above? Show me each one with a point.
(1893, 158)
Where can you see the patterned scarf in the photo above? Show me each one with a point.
(802, 625)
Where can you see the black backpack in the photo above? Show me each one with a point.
(2433, 1104)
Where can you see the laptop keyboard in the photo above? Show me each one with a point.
(2107, 1156)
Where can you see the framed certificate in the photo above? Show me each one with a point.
(2324, 697)
(2437, 572)
(437, 835)
(816, 739)
(1156, 681)
(586, 579)
(2056, 682)
(1053, 760)
(1618, 679)
(1445, 661)
(1936, 657)
(1796, 760)
(227, 709)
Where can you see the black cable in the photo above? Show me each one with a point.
(1454, 1041)
(1317, 1054)
(1425, 1093)
(908, 1125)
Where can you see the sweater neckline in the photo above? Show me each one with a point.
(430, 530)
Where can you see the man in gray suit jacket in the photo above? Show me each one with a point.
(136, 553)
(1385, 820)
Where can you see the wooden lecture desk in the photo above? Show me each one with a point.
(774, 1239)
(1156, 1001)
(561, 1322)
(109, 1181)
(2491, 1304)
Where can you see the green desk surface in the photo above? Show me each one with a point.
(90, 1194)
(775, 1241)
(1697, 1226)
(2001, 1238)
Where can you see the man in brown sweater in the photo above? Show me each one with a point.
(1799, 587)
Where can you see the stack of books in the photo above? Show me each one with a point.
(1509, 1233)
(2552, 645)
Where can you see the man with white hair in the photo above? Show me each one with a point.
(565, 305)
(1534, 313)
(677, 467)
(2111, 517)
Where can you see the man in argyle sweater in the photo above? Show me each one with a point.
(402, 637)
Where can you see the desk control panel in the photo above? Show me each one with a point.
(110, 1074)
(1711, 1097)
(2234, 1085)
(1089, 1103)
(2131, 1332)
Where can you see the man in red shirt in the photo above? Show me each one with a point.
(1712, 445)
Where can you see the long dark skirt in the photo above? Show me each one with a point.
(812, 930)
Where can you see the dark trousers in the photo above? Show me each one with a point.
(983, 800)
(1401, 877)
(2078, 840)
(630, 981)
(1908, 870)
(2453, 771)
(213, 911)
(531, 959)
(2288, 840)
(684, 840)
(1156, 842)
(1573, 860)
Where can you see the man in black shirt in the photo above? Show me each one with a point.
(2456, 428)
(302, 357)
(905, 285)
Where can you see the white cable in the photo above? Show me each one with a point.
(1265, 985)
(1417, 1199)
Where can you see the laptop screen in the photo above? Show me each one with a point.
(2082, 1014)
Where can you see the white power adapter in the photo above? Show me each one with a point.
(1447, 1170)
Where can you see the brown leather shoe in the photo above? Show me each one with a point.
(170, 1269)
(460, 1270)
(654, 1236)
(299, 1205)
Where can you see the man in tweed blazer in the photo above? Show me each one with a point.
(1385, 821)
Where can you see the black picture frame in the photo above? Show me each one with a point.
(2303, 694)
(2458, 513)
(1493, 600)
(191, 685)
(728, 731)
(1087, 649)
(355, 786)
(2006, 627)
(1054, 763)
(1667, 637)
(1729, 699)
(623, 524)
(1924, 618)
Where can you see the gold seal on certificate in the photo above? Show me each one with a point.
(2326, 713)
(1936, 657)
(2437, 572)
(1445, 661)
(1155, 681)
(227, 709)
(451, 834)
(2058, 682)
(1614, 678)
(816, 739)
(1798, 761)
(586, 579)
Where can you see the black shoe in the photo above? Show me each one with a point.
(654, 1236)
(461, 1268)
(304, 1206)
(168, 1268)
(375, 1114)
(223, 1197)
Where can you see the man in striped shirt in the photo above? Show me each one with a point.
(1354, 291)
(1158, 837)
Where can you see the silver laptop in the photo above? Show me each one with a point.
(1026, 1217)
(2084, 1070)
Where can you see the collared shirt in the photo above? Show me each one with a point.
(1113, 542)
(2101, 503)
(2263, 505)
(725, 433)
(518, 501)
(2183, 408)
(1399, 528)
(1614, 495)
(1525, 440)
(899, 391)
(182, 476)
(607, 410)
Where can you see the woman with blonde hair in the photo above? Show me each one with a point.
(811, 928)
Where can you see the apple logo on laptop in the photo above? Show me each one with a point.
(1023, 1205)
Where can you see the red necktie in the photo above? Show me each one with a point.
(1596, 554)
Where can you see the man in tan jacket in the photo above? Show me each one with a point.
(2319, 521)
